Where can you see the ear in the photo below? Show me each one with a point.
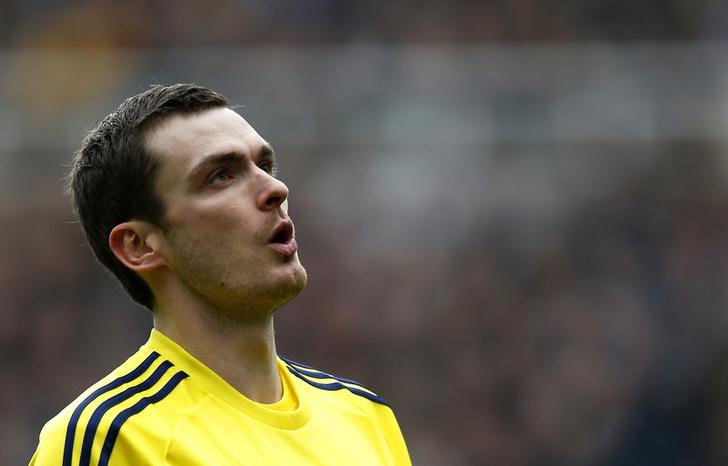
(136, 245)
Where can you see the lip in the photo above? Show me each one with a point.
(287, 249)
(283, 239)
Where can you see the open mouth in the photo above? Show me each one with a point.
(283, 234)
(283, 242)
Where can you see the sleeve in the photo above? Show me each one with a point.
(33, 460)
(393, 436)
(135, 444)
(49, 451)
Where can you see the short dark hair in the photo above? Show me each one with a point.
(113, 175)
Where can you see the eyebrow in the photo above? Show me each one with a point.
(266, 150)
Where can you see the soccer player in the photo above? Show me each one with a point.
(178, 197)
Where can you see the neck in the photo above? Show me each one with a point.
(242, 353)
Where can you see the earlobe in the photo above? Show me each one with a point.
(133, 245)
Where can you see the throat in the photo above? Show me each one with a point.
(243, 355)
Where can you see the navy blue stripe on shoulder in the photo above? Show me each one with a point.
(138, 407)
(317, 374)
(298, 364)
(306, 373)
(103, 408)
(73, 422)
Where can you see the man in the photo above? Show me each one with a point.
(178, 197)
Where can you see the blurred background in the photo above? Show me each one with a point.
(513, 213)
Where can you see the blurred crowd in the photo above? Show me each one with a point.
(522, 248)
(234, 22)
(600, 339)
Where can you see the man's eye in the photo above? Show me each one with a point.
(268, 167)
(219, 177)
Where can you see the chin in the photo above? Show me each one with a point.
(299, 280)
(292, 284)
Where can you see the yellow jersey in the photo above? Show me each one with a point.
(164, 407)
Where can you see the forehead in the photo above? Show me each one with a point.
(181, 140)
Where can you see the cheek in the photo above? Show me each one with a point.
(228, 227)
(217, 219)
(204, 214)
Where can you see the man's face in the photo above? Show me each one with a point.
(229, 239)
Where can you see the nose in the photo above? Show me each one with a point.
(273, 194)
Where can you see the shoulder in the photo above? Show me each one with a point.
(343, 397)
(104, 417)
(330, 383)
